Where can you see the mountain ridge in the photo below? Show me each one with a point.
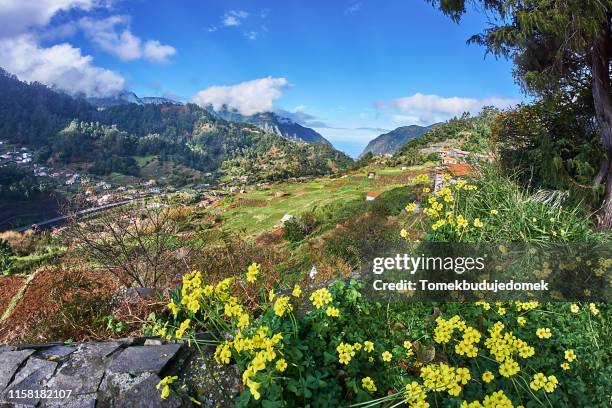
(390, 142)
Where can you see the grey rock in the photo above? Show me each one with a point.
(146, 395)
(77, 401)
(9, 363)
(56, 352)
(153, 342)
(4, 349)
(83, 372)
(31, 377)
(144, 359)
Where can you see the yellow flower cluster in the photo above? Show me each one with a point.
(164, 384)
(332, 311)
(415, 395)
(282, 306)
(320, 297)
(263, 350)
(411, 207)
(252, 272)
(345, 352)
(593, 308)
(421, 179)
(549, 384)
(444, 328)
(442, 377)
(368, 384)
(496, 400)
(503, 346)
(297, 291)
(526, 306)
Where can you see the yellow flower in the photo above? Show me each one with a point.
(252, 272)
(494, 212)
(544, 333)
(368, 384)
(539, 380)
(254, 389)
(297, 291)
(463, 374)
(565, 366)
(509, 368)
(282, 305)
(386, 356)
(487, 376)
(281, 365)
(182, 328)
(551, 384)
(368, 346)
(243, 321)
(332, 311)
(165, 392)
(521, 321)
(320, 298)
(223, 353)
(271, 295)
(570, 355)
(478, 223)
(173, 307)
(403, 233)
(412, 206)
(574, 308)
(594, 310)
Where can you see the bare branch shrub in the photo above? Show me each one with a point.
(140, 242)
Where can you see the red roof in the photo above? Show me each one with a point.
(459, 169)
(373, 194)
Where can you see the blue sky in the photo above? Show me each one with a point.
(347, 68)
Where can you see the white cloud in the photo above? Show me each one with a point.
(113, 35)
(248, 97)
(18, 16)
(251, 35)
(234, 17)
(353, 8)
(427, 109)
(62, 66)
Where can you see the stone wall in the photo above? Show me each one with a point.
(119, 373)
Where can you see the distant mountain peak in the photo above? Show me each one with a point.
(127, 97)
(275, 123)
(390, 142)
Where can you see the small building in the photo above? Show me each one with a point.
(371, 175)
(372, 195)
(448, 160)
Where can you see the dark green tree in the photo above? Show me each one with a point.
(558, 47)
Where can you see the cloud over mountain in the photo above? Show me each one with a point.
(62, 66)
(248, 98)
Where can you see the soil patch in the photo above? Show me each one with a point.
(40, 300)
(9, 286)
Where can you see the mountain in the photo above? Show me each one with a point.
(389, 143)
(126, 97)
(274, 123)
(182, 140)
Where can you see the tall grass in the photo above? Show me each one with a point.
(513, 214)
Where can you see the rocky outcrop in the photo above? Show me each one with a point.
(118, 373)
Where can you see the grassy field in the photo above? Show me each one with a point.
(255, 211)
